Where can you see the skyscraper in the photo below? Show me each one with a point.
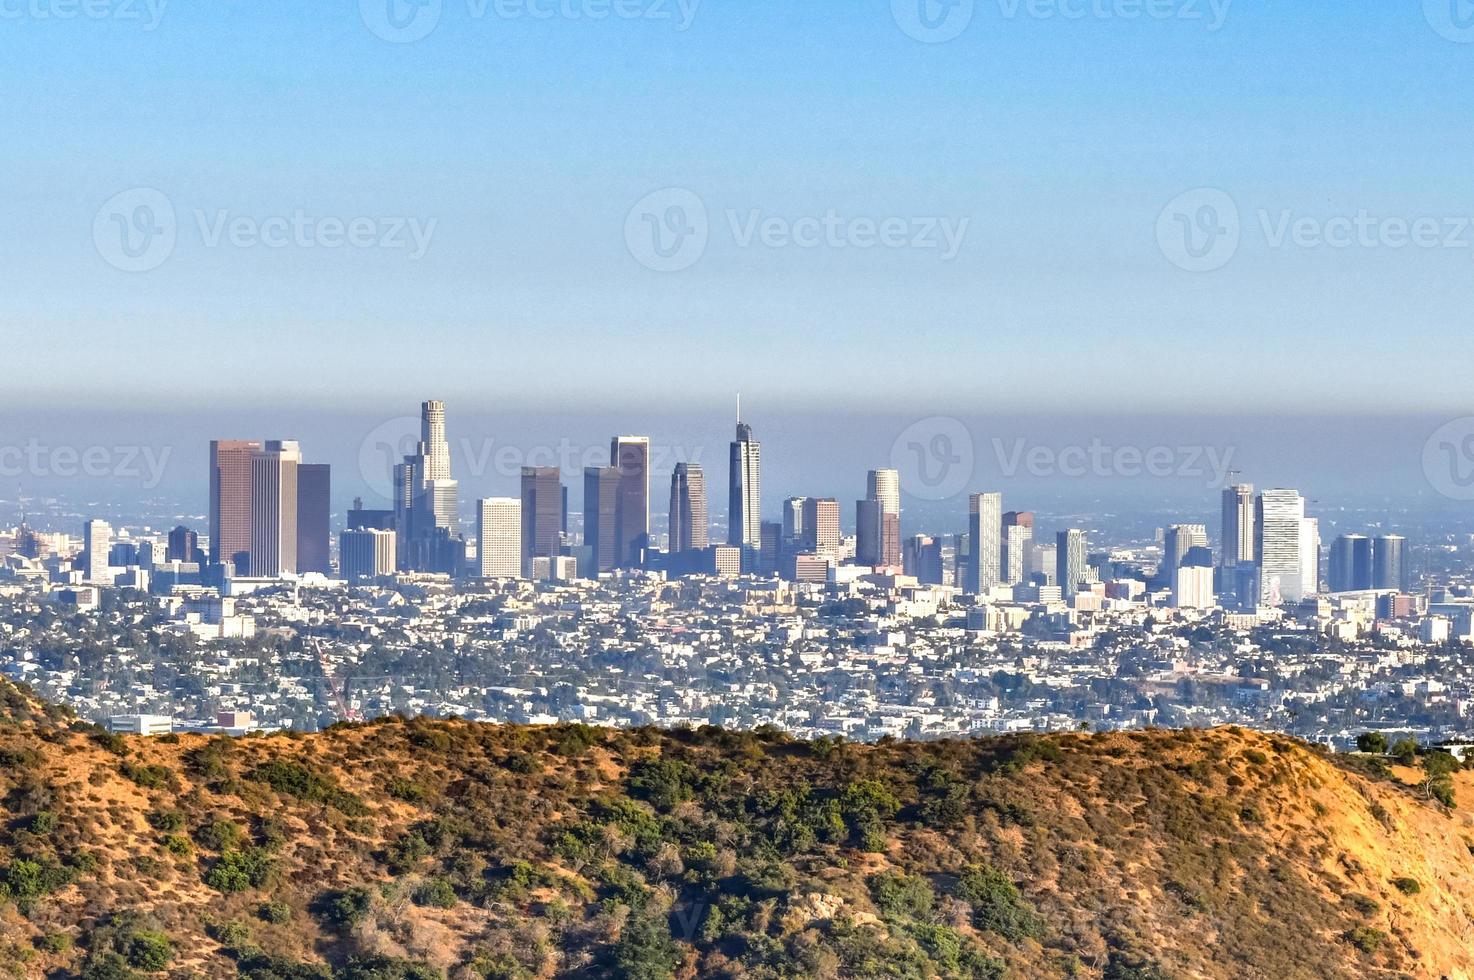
(821, 526)
(985, 542)
(601, 488)
(1072, 558)
(793, 523)
(427, 499)
(499, 537)
(1310, 556)
(542, 515)
(1018, 539)
(97, 542)
(230, 501)
(1350, 568)
(314, 517)
(689, 529)
(744, 495)
(367, 553)
(184, 545)
(274, 509)
(1280, 520)
(1239, 537)
(631, 456)
(1389, 564)
(878, 521)
(1178, 540)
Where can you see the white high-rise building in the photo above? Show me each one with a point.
(1018, 541)
(985, 533)
(499, 532)
(1192, 587)
(1310, 556)
(433, 447)
(1072, 560)
(1177, 542)
(1280, 518)
(274, 509)
(97, 541)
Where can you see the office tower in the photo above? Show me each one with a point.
(923, 560)
(772, 548)
(868, 532)
(878, 521)
(274, 509)
(1310, 556)
(499, 537)
(985, 542)
(1018, 538)
(230, 502)
(1178, 540)
(793, 523)
(1192, 587)
(97, 543)
(184, 545)
(1279, 516)
(689, 528)
(1072, 560)
(1239, 536)
(314, 518)
(601, 488)
(631, 456)
(1341, 571)
(744, 495)
(821, 526)
(367, 553)
(426, 499)
(542, 515)
(1389, 565)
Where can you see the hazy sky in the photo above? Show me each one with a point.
(520, 147)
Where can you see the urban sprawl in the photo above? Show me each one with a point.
(259, 623)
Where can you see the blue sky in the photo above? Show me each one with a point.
(522, 144)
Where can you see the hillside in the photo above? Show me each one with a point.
(426, 849)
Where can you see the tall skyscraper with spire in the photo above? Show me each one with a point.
(426, 499)
(744, 495)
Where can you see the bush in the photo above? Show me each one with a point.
(1408, 886)
(1366, 939)
(275, 912)
(344, 909)
(238, 871)
(997, 905)
(436, 893)
(150, 951)
(902, 896)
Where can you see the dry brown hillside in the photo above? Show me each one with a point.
(424, 849)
